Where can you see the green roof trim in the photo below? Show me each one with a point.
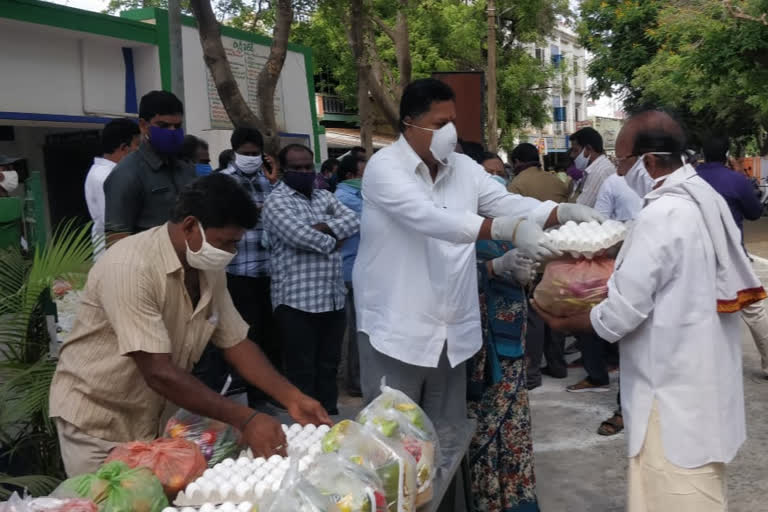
(54, 15)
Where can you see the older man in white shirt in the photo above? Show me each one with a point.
(118, 138)
(415, 276)
(617, 201)
(588, 155)
(679, 275)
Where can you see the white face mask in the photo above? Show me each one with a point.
(638, 178)
(443, 141)
(248, 164)
(581, 161)
(10, 181)
(208, 257)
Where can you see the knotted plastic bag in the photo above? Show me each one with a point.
(573, 286)
(217, 441)
(175, 462)
(117, 488)
(351, 486)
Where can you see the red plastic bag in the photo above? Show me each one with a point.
(175, 462)
(571, 286)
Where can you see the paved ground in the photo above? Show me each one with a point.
(580, 471)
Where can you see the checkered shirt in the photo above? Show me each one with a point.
(252, 259)
(306, 270)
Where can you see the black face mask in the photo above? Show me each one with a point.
(301, 182)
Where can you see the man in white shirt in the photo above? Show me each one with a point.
(588, 156)
(617, 201)
(118, 138)
(679, 276)
(415, 277)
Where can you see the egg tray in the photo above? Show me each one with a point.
(251, 479)
(245, 506)
(587, 239)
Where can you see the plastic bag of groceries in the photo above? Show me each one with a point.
(217, 441)
(297, 494)
(117, 488)
(352, 487)
(175, 462)
(395, 467)
(394, 415)
(28, 504)
(573, 286)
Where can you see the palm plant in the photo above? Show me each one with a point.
(28, 440)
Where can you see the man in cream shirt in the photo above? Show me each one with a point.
(679, 278)
(415, 276)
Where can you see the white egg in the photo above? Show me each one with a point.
(208, 507)
(209, 473)
(188, 509)
(324, 429)
(315, 449)
(275, 458)
(243, 461)
(245, 506)
(227, 506)
(228, 462)
(258, 461)
(285, 428)
(303, 465)
(284, 464)
(260, 488)
(310, 428)
(295, 427)
(242, 489)
(170, 509)
(275, 487)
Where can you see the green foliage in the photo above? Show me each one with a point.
(689, 56)
(36, 485)
(27, 436)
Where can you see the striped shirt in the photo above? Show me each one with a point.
(135, 300)
(594, 177)
(308, 276)
(252, 259)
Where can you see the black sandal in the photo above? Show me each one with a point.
(611, 426)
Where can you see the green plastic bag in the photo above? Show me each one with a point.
(117, 488)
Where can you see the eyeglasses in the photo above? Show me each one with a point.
(620, 159)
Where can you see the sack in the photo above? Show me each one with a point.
(352, 487)
(17, 504)
(217, 441)
(175, 462)
(570, 287)
(394, 415)
(117, 488)
(394, 466)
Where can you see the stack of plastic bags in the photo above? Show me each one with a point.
(352, 487)
(117, 488)
(27, 504)
(395, 416)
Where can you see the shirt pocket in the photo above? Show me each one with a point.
(201, 330)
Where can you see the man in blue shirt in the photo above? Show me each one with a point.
(744, 203)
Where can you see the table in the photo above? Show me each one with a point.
(454, 444)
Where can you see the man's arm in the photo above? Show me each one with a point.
(123, 199)
(751, 206)
(495, 201)
(605, 199)
(282, 223)
(345, 222)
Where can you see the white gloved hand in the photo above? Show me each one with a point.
(578, 213)
(525, 235)
(519, 265)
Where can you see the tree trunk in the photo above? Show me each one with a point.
(231, 97)
(402, 47)
(270, 74)
(357, 44)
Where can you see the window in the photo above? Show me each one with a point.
(575, 67)
(540, 54)
(577, 113)
(555, 101)
(556, 57)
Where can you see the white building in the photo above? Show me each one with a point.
(567, 97)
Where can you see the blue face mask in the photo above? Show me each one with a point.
(165, 141)
(500, 180)
(203, 169)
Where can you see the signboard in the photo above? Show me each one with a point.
(583, 124)
(246, 60)
(609, 128)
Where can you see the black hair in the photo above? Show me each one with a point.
(189, 148)
(243, 135)
(356, 150)
(487, 155)
(473, 150)
(715, 148)
(283, 155)
(159, 103)
(348, 167)
(217, 201)
(116, 133)
(329, 165)
(225, 158)
(588, 136)
(524, 153)
(419, 95)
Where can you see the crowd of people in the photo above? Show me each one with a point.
(415, 264)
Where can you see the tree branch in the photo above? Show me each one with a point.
(738, 12)
(384, 27)
(270, 73)
(402, 48)
(216, 59)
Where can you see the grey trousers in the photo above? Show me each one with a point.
(441, 391)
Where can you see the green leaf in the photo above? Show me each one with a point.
(35, 485)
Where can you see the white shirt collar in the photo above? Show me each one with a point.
(416, 164)
(683, 173)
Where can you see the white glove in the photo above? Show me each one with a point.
(525, 235)
(519, 265)
(577, 213)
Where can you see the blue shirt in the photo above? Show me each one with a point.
(735, 188)
(351, 197)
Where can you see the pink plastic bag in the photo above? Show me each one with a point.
(571, 286)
